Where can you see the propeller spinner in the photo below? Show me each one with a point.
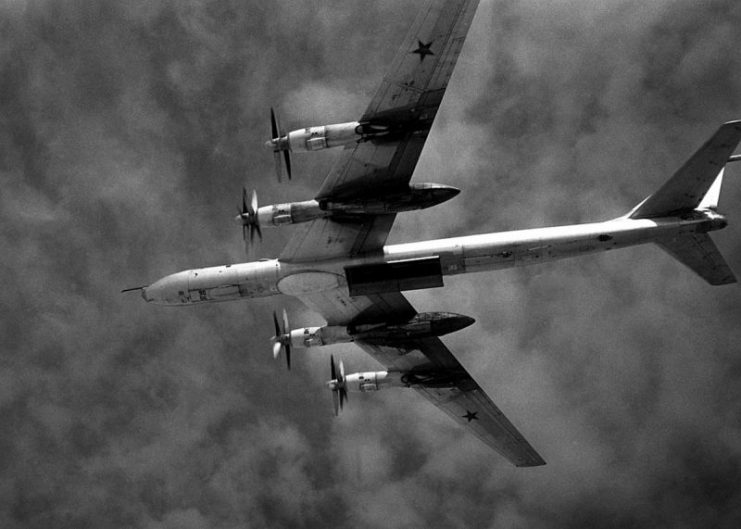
(337, 385)
(278, 143)
(282, 340)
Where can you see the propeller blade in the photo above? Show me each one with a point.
(278, 168)
(282, 338)
(336, 403)
(287, 158)
(248, 216)
(343, 388)
(254, 208)
(259, 231)
(337, 385)
(242, 211)
(278, 145)
(274, 129)
(286, 327)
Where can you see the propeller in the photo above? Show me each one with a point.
(248, 217)
(277, 139)
(337, 385)
(282, 340)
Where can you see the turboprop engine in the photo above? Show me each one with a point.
(422, 325)
(416, 196)
(325, 136)
(366, 381)
(317, 138)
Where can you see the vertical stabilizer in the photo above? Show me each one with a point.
(710, 200)
(693, 181)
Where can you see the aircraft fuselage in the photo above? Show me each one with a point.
(457, 255)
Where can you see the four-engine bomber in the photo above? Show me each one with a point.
(339, 265)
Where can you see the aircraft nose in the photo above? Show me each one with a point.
(170, 290)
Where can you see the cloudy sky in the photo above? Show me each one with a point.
(127, 131)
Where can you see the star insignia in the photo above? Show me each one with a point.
(423, 50)
(470, 415)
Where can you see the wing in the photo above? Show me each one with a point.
(430, 368)
(406, 104)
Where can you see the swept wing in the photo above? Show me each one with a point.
(406, 103)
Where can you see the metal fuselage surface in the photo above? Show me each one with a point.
(456, 255)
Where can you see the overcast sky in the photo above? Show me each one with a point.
(127, 131)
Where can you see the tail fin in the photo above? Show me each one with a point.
(698, 252)
(685, 190)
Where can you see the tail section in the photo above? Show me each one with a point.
(696, 186)
(684, 191)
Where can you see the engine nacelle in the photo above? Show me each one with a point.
(328, 136)
(324, 136)
(417, 196)
(290, 213)
(318, 336)
(373, 380)
(422, 325)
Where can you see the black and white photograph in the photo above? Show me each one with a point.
(372, 264)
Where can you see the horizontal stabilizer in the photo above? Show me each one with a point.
(686, 188)
(699, 253)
